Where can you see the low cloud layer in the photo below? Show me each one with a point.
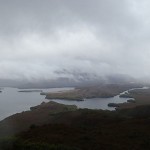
(56, 38)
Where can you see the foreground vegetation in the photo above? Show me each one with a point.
(85, 129)
(53, 126)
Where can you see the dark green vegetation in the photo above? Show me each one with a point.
(87, 130)
(41, 114)
(14, 143)
(103, 91)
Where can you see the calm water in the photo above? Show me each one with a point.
(12, 101)
(95, 103)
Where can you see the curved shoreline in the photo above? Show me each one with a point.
(137, 97)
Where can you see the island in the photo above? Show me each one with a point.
(79, 94)
(30, 91)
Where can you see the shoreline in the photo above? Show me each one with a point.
(105, 91)
(137, 97)
(122, 105)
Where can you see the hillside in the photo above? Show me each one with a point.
(87, 129)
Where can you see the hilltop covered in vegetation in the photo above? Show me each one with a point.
(86, 129)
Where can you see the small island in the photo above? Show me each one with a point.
(30, 91)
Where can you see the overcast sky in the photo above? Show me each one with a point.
(56, 38)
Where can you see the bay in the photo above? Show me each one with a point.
(12, 101)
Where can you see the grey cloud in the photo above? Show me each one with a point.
(48, 14)
(58, 38)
